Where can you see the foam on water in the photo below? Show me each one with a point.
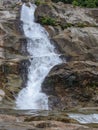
(43, 59)
(85, 119)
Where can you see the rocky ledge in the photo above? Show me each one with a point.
(44, 120)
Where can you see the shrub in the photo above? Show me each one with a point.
(66, 25)
(90, 3)
(65, 1)
(38, 2)
(96, 3)
(75, 3)
(48, 21)
(83, 3)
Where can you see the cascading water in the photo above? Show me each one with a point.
(85, 119)
(43, 59)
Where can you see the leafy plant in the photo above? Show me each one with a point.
(38, 2)
(75, 3)
(83, 3)
(48, 21)
(66, 25)
(90, 3)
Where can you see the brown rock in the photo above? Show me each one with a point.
(78, 43)
(72, 85)
(66, 15)
(12, 50)
(45, 10)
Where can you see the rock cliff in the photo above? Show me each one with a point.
(12, 51)
(74, 31)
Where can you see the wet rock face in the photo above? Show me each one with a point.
(10, 80)
(12, 51)
(48, 120)
(13, 120)
(72, 85)
(75, 33)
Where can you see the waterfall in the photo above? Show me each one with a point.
(43, 59)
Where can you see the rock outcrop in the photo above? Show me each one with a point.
(13, 120)
(74, 31)
(67, 15)
(12, 50)
(72, 85)
(78, 43)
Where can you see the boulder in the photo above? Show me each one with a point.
(78, 43)
(72, 85)
(43, 10)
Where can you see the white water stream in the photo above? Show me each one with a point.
(85, 119)
(43, 59)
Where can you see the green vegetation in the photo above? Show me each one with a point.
(66, 25)
(38, 2)
(81, 25)
(83, 3)
(48, 21)
(65, 1)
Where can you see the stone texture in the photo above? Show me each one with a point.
(75, 34)
(66, 15)
(22, 121)
(12, 50)
(10, 122)
(78, 43)
(72, 85)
